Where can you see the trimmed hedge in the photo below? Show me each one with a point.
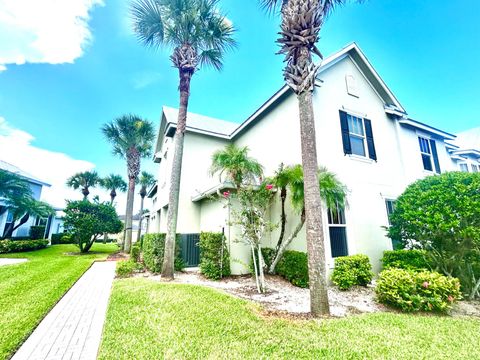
(37, 232)
(214, 258)
(9, 246)
(61, 238)
(352, 270)
(405, 259)
(153, 248)
(411, 290)
(135, 252)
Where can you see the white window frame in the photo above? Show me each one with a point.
(393, 201)
(358, 136)
(429, 154)
(475, 168)
(463, 167)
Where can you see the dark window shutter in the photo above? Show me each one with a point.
(435, 156)
(347, 147)
(370, 143)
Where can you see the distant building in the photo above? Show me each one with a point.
(53, 224)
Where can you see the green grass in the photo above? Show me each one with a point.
(29, 290)
(151, 320)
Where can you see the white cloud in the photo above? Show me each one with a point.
(145, 78)
(52, 167)
(47, 31)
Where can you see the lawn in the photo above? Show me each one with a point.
(29, 290)
(151, 320)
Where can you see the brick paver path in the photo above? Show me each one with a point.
(73, 329)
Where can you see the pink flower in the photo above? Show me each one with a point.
(450, 298)
(269, 186)
(425, 284)
(226, 194)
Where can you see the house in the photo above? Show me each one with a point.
(364, 135)
(53, 224)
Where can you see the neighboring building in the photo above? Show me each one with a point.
(465, 152)
(364, 135)
(53, 224)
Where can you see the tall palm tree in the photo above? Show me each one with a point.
(332, 192)
(302, 21)
(131, 138)
(84, 180)
(199, 35)
(146, 180)
(234, 162)
(113, 183)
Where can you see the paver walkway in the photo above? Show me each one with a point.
(73, 328)
(6, 261)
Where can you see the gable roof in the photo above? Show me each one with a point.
(16, 170)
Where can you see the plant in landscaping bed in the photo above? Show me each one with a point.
(128, 268)
(441, 215)
(294, 267)
(405, 259)
(352, 270)
(153, 252)
(11, 246)
(215, 259)
(37, 232)
(135, 252)
(417, 290)
(86, 221)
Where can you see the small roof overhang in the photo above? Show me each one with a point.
(212, 191)
(430, 129)
(467, 152)
(152, 191)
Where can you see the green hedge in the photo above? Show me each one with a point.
(153, 248)
(135, 252)
(352, 270)
(9, 246)
(61, 238)
(411, 290)
(128, 268)
(212, 264)
(37, 232)
(405, 259)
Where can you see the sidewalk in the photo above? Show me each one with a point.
(73, 328)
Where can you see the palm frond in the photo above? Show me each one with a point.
(147, 22)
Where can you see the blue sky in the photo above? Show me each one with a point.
(426, 51)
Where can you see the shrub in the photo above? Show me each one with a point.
(153, 248)
(37, 232)
(411, 290)
(135, 252)
(127, 268)
(9, 246)
(268, 255)
(405, 259)
(214, 258)
(294, 267)
(61, 238)
(352, 270)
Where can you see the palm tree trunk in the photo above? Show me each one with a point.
(169, 255)
(283, 247)
(313, 208)
(139, 232)
(127, 242)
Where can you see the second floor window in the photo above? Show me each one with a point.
(474, 168)
(428, 150)
(463, 167)
(357, 136)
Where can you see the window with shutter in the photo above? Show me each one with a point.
(357, 136)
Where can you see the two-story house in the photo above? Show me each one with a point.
(364, 135)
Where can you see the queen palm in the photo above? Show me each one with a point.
(302, 21)
(234, 164)
(198, 34)
(332, 192)
(84, 180)
(145, 181)
(131, 138)
(12, 185)
(113, 183)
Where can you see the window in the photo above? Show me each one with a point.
(426, 153)
(390, 204)
(463, 167)
(474, 168)
(357, 136)
(8, 222)
(337, 231)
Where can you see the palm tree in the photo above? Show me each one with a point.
(12, 186)
(302, 21)
(113, 183)
(234, 162)
(131, 138)
(199, 35)
(146, 180)
(281, 180)
(332, 192)
(84, 180)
